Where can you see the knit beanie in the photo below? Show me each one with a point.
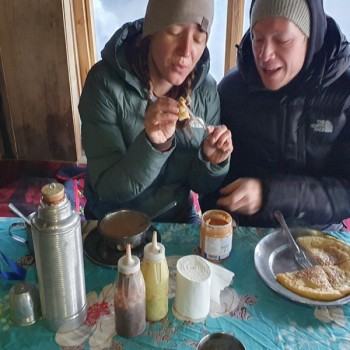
(163, 13)
(296, 11)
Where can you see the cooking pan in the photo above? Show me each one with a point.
(127, 226)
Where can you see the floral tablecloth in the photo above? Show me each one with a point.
(259, 317)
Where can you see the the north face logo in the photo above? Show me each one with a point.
(322, 126)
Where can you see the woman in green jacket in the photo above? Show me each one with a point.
(139, 156)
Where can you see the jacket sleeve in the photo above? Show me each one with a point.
(315, 200)
(205, 177)
(116, 172)
(311, 200)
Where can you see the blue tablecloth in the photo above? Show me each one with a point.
(259, 317)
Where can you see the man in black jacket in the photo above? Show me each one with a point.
(287, 104)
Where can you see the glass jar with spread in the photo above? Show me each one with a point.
(216, 231)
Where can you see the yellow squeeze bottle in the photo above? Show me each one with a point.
(155, 272)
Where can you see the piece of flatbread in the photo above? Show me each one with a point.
(183, 109)
(329, 279)
(339, 277)
(325, 250)
(310, 283)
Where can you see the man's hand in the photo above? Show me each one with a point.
(243, 196)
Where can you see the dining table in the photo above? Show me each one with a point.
(252, 308)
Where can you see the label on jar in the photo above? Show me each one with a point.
(217, 248)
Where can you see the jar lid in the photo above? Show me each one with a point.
(128, 264)
(154, 251)
(52, 193)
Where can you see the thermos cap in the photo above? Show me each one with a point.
(52, 193)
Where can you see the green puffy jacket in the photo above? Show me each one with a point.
(123, 169)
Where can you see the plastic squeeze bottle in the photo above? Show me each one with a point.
(129, 297)
(155, 271)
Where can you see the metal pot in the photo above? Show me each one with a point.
(127, 226)
(220, 341)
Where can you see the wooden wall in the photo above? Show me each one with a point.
(36, 80)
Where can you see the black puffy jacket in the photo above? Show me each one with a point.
(296, 139)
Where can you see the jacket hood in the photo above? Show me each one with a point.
(114, 54)
(327, 57)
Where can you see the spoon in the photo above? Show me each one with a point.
(19, 213)
(164, 209)
(198, 120)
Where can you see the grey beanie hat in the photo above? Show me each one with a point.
(163, 13)
(296, 11)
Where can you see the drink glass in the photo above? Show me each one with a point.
(24, 304)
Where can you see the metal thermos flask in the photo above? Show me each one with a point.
(58, 251)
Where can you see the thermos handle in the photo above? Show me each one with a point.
(14, 236)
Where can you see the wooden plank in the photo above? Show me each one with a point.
(34, 54)
(74, 68)
(7, 137)
(81, 53)
(90, 28)
(234, 31)
(85, 36)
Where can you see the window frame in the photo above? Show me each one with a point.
(234, 31)
(83, 37)
(85, 34)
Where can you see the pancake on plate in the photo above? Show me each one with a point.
(325, 250)
(339, 277)
(310, 283)
(329, 279)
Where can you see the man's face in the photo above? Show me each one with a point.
(279, 48)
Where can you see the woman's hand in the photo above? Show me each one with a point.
(160, 119)
(243, 196)
(218, 145)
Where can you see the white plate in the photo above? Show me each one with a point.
(273, 255)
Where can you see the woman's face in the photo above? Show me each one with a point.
(173, 55)
(279, 48)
